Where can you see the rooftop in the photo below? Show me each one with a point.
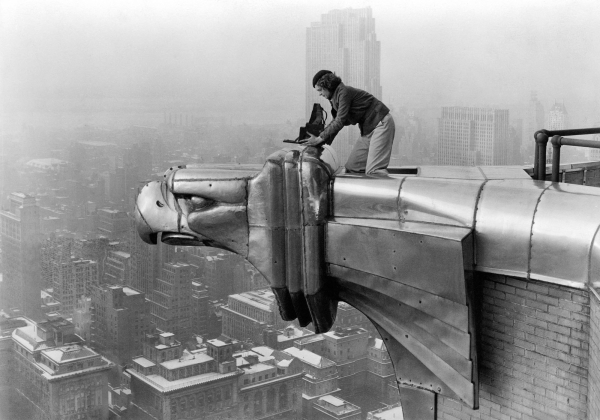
(309, 357)
(68, 353)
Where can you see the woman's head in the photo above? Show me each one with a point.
(326, 82)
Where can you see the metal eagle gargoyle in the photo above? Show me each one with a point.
(404, 248)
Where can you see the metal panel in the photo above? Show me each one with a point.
(594, 272)
(561, 241)
(265, 197)
(451, 172)
(224, 186)
(370, 197)
(462, 386)
(315, 191)
(446, 310)
(227, 225)
(417, 404)
(267, 253)
(592, 177)
(445, 341)
(430, 263)
(504, 172)
(314, 264)
(504, 219)
(443, 201)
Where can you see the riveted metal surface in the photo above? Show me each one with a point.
(504, 219)
(463, 387)
(266, 252)
(444, 201)
(227, 187)
(449, 312)
(431, 263)
(417, 404)
(561, 245)
(368, 197)
(293, 223)
(455, 351)
(225, 224)
(265, 197)
(409, 370)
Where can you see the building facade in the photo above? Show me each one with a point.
(469, 136)
(66, 380)
(169, 383)
(344, 41)
(21, 255)
(171, 302)
(120, 321)
(248, 314)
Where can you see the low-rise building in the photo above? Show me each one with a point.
(269, 388)
(66, 379)
(170, 383)
(330, 407)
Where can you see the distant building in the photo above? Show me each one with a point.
(199, 309)
(72, 280)
(473, 136)
(82, 318)
(558, 117)
(344, 41)
(120, 321)
(348, 316)
(284, 338)
(330, 407)
(268, 389)
(171, 301)
(389, 412)
(117, 268)
(246, 315)
(21, 254)
(168, 382)
(112, 223)
(65, 379)
(347, 347)
(320, 378)
(380, 370)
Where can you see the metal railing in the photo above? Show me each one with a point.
(541, 141)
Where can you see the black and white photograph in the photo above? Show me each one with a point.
(299, 210)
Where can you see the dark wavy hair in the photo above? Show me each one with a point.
(329, 81)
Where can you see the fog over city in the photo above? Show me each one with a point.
(245, 59)
(99, 98)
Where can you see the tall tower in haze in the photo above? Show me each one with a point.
(344, 42)
(21, 248)
(534, 121)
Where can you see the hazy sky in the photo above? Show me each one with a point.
(242, 56)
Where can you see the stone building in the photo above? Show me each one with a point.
(66, 380)
(169, 383)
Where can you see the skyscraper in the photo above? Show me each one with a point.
(558, 118)
(473, 136)
(21, 255)
(344, 42)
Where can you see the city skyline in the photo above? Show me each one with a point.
(112, 60)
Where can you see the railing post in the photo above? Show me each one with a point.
(541, 140)
(556, 158)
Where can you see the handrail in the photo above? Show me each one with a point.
(541, 141)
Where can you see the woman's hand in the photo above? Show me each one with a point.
(313, 141)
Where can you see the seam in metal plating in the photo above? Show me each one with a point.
(531, 231)
(590, 255)
(474, 224)
(398, 201)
